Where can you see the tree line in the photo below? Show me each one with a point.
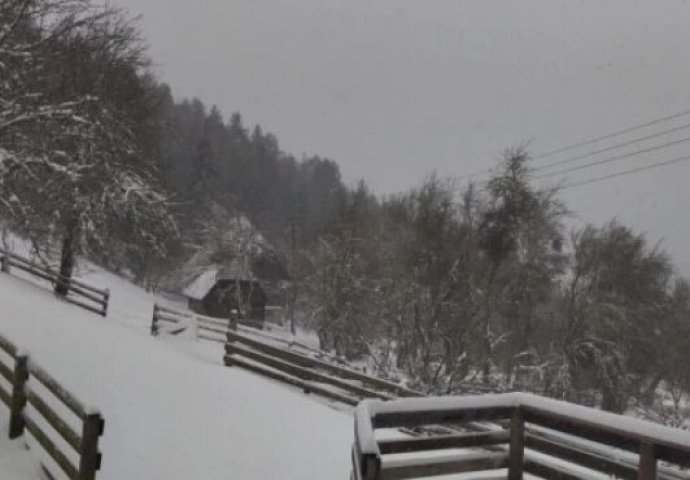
(485, 285)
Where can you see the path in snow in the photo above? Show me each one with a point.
(172, 412)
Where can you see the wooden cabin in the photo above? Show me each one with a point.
(238, 285)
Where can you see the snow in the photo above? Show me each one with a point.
(172, 410)
(632, 427)
(16, 462)
(198, 289)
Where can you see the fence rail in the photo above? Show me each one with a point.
(305, 371)
(214, 329)
(81, 292)
(84, 444)
(513, 447)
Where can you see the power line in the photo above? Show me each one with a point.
(612, 135)
(613, 147)
(596, 140)
(628, 172)
(612, 159)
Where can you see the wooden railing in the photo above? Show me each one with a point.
(45, 402)
(656, 451)
(79, 292)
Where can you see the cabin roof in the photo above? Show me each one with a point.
(202, 283)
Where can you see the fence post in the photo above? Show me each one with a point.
(90, 458)
(517, 445)
(18, 403)
(232, 327)
(106, 300)
(647, 468)
(154, 320)
(372, 467)
(234, 319)
(5, 264)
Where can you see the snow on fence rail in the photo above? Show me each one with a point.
(312, 375)
(515, 447)
(213, 329)
(175, 322)
(81, 290)
(82, 446)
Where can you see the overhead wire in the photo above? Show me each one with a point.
(613, 147)
(596, 140)
(612, 135)
(628, 172)
(613, 159)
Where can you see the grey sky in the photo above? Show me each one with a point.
(395, 89)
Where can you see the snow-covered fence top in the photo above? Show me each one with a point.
(313, 375)
(54, 413)
(516, 447)
(79, 292)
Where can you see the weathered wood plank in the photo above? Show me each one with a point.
(167, 318)
(215, 322)
(51, 449)
(5, 396)
(6, 372)
(517, 445)
(212, 329)
(606, 434)
(308, 387)
(60, 426)
(18, 398)
(550, 471)
(460, 440)
(58, 390)
(19, 262)
(304, 373)
(425, 468)
(174, 312)
(581, 428)
(309, 362)
(432, 417)
(84, 305)
(8, 347)
(210, 338)
(90, 458)
(647, 469)
(99, 299)
(581, 457)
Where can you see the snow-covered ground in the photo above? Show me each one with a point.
(16, 462)
(172, 409)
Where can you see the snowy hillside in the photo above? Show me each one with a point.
(172, 409)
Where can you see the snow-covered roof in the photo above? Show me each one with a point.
(201, 285)
(236, 269)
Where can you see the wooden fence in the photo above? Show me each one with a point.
(79, 292)
(174, 322)
(311, 374)
(23, 394)
(629, 448)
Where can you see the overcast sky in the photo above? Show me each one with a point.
(395, 89)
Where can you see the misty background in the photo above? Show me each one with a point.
(395, 89)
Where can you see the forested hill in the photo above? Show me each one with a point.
(207, 161)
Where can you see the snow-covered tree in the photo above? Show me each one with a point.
(72, 172)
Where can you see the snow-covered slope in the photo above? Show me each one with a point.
(172, 410)
(16, 463)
